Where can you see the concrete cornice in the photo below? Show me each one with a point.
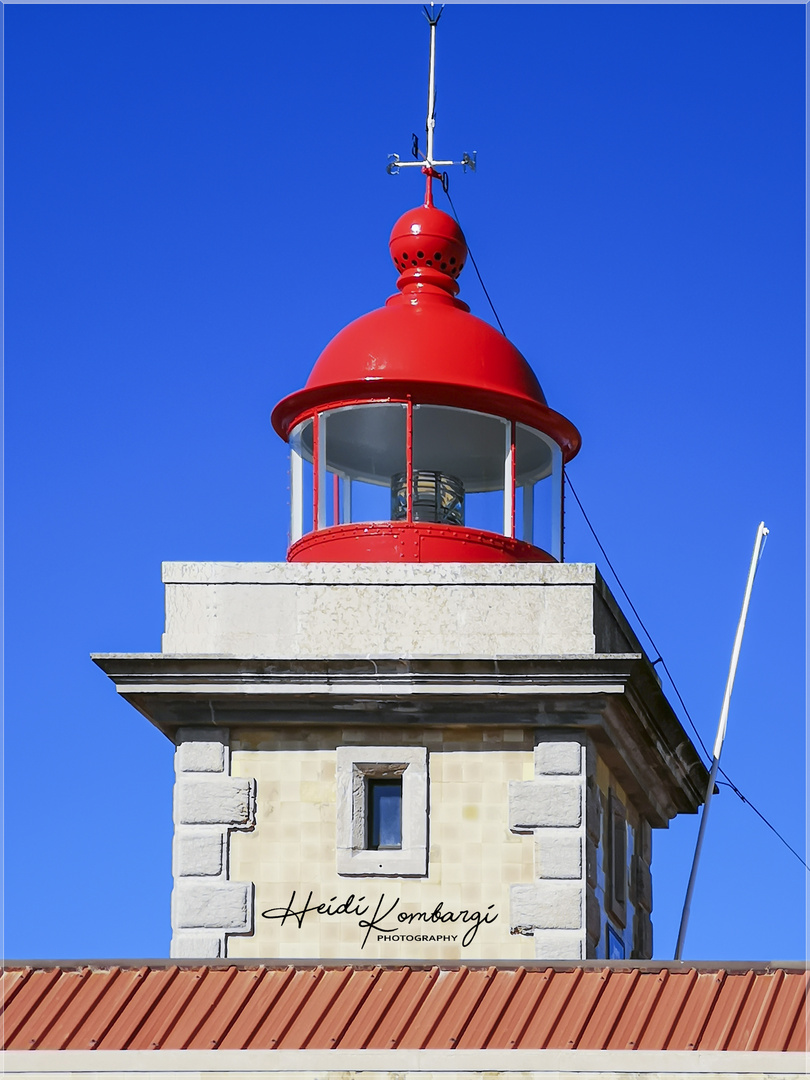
(615, 698)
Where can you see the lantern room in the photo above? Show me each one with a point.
(422, 434)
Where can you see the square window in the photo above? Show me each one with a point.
(382, 810)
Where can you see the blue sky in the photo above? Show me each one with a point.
(196, 202)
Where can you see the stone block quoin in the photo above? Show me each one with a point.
(551, 806)
(208, 805)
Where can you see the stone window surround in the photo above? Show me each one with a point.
(354, 765)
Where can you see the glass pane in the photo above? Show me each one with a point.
(370, 502)
(301, 480)
(365, 450)
(543, 513)
(334, 502)
(484, 510)
(461, 455)
(533, 456)
(460, 443)
(537, 510)
(384, 813)
(365, 442)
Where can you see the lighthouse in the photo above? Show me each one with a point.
(425, 736)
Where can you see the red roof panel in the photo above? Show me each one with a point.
(248, 1007)
(543, 1025)
(479, 1031)
(689, 1025)
(146, 986)
(253, 1005)
(601, 1025)
(343, 1009)
(396, 1021)
(376, 1005)
(520, 1008)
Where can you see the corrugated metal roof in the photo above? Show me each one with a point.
(263, 1006)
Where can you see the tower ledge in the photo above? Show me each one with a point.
(539, 647)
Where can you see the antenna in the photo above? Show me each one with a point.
(427, 162)
(759, 545)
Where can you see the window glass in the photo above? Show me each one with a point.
(615, 945)
(538, 465)
(365, 450)
(301, 493)
(461, 456)
(384, 813)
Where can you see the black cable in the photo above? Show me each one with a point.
(739, 794)
(475, 264)
(656, 650)
(729, 781)
(659, 657)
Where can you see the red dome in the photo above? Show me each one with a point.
(425, 345)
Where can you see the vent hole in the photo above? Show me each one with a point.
(414, 262)
(420, 254)
(452, 259)
(404, 254)
(428, 262)
(437, 256)
(443, 266)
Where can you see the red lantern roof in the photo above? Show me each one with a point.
(424, 345)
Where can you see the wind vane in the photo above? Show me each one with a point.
(427, 162)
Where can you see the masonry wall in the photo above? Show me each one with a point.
(473, 857)
(514, 859)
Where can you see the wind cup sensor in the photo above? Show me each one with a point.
(427, 162)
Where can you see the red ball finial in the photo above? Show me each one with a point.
(428, 248)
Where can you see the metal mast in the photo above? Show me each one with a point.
(759, 544)
(427, 162)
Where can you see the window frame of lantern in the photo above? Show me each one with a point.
(298, 463)
(509, 490)
(555, 478)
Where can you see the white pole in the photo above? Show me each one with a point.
(762, 532)
(431, 120)
(296, 494)
(508, 480)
